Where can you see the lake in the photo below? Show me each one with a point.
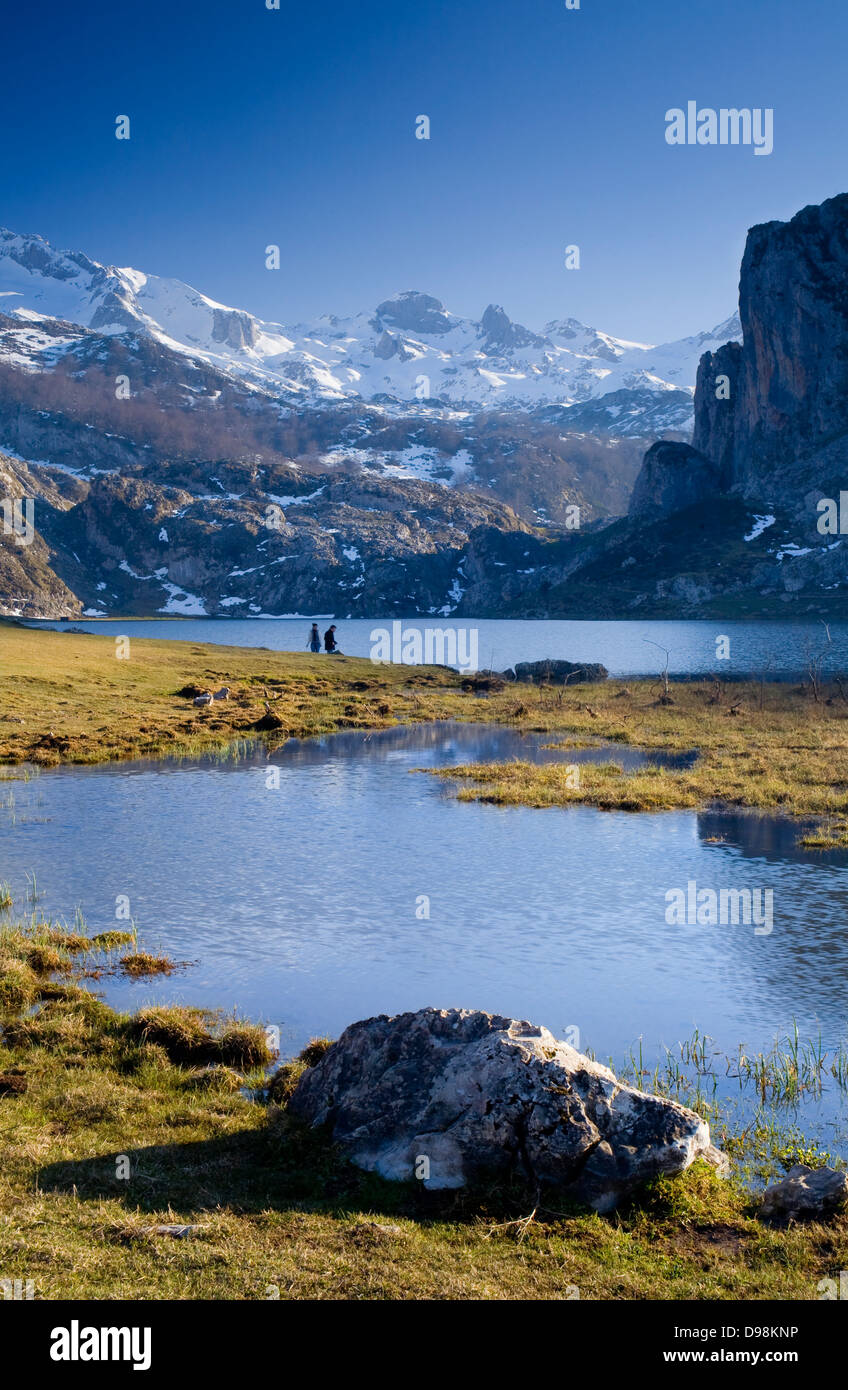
(296, 883)
(625, 648)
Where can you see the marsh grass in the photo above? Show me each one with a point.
(774, 748)
(112, 940)
(792, 1070)
(190, 1036)
(143, 964)
(283, 1083)
(751, 1099)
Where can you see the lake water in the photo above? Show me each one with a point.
(298, 901)
(625, 648)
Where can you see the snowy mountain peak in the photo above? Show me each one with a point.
(414, 312)
(411, 350)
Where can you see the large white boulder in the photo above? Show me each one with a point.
(452, 1096)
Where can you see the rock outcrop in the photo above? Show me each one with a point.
(454, 1096)
(716, 392)
(770, 442)
(673, 477)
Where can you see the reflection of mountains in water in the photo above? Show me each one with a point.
(760, 836)
(456, 742)
(442, 742)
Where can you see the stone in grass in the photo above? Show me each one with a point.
(174, 1229)
(455, 1096)
(805, 1194)
(561, 672)
(267, 724)
(13, 1083)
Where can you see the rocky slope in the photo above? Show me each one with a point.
(256, 541)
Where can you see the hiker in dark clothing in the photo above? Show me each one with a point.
(313, 641)
(330, 639)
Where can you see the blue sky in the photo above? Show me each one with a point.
(296, 127)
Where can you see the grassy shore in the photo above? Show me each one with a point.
(68, 697)
(71, 697)
(115, 1128)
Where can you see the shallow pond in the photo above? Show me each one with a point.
(298, 884)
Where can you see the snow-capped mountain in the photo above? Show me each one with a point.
(410, 352)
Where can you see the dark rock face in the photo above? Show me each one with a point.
(561, 672)
(345, 543)
(673, 477)
(771, 414)
(716, 392)
(29, 586)
(500, 333)
(770, 440)
(793, 301)
(453, 1096)
(233, 327)
(783, 428)
(389, 346)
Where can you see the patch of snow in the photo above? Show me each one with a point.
(294, 501)
(179, 601)
(761, 523)
(792, 550)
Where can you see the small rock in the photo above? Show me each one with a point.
(178, 1232)
(805, 1194)
(717, 1160)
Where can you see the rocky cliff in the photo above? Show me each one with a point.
(771, 413)
(791, 405)
(770, 440)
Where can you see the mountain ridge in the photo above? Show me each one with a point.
(410, 351)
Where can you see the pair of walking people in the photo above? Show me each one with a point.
(314, 639)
